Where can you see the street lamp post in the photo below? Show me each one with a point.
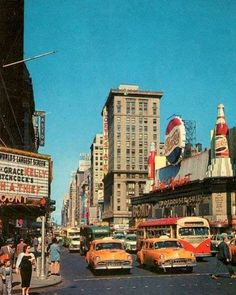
(42, 265)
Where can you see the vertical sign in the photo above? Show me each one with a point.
(84, 208)
(39, 117)
(42, 130)
(105, 141)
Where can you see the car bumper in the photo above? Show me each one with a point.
(74, 248)
(202, 255)
(113, 265)
(177, 263)
(174, 265)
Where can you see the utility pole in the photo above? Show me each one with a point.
(42, 270)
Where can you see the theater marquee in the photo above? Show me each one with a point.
(23, 175)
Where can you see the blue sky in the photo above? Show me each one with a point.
(187, 49)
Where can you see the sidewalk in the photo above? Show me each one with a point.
(35, 282)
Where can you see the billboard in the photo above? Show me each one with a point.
(175, 141)
(23, 176)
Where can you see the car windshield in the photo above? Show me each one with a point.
(167, 244)
(109, 246)
(131, 238)
(76, 239)
(194, 231)
(119, 236)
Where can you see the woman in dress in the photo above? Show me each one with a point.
(24, 263)
(54, 256)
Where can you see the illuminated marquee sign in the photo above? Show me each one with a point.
(23, 176)
(175, 141)
(13, 199)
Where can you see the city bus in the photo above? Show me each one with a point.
(69, 233)
(88, 233)
(192, 232)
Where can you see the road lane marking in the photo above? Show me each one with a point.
(109, 278)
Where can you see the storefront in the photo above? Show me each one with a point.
(211, 198)
(201, 184)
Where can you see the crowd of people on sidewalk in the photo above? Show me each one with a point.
(20, 257)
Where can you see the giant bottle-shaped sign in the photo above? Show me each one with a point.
(151, 162)
(221, 133)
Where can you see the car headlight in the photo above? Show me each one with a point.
(162, 256)
(97, 258)
(129, 257)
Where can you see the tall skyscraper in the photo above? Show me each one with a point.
(132, 125)
(97, 174)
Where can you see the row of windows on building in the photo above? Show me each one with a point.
(191, 210)
(132, 121)
(131, 105)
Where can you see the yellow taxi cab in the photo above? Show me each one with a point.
(107, 254)
(166, 253)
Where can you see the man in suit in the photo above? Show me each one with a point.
(9, 250)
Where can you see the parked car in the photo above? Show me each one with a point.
(166, 253)
(130, 243)
(106, 254)
(232, 247)
(216, 240)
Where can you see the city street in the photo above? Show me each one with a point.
(78, 279)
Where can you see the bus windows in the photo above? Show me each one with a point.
(201, 231)
(197, 231)
(186, 231)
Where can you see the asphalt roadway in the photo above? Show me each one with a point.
(78, 279)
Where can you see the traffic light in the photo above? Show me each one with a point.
(51, 205)
(42, 205)
(47, 205)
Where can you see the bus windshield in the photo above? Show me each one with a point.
(194, 231)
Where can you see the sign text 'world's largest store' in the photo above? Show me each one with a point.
(24, 175)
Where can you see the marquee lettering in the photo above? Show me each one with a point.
(140, 211)
(13, 199)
